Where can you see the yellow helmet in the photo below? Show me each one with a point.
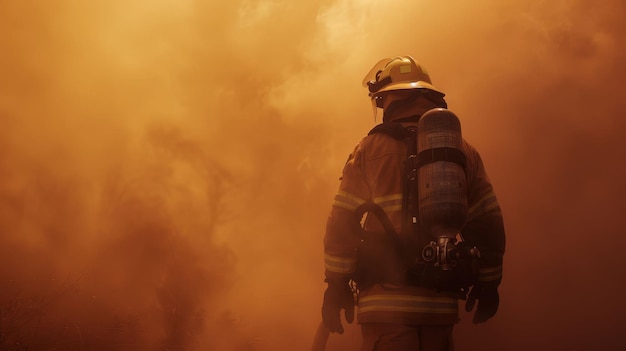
(398, 73)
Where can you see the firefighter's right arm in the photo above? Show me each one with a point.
(485, 226)
(485, 229)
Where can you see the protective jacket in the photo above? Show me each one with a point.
(375, 172)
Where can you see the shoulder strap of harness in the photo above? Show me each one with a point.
(410, 215)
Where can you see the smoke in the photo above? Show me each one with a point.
(166, 167)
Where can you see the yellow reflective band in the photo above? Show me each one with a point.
(339, 264)
(386, 198)
(490, 274)
(348, 201)
(408, 303)
(484, 205)
(389, 203)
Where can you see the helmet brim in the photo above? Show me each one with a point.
(420, 84)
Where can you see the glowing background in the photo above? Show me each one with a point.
(166, 167)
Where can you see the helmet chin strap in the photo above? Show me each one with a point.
(375, 109)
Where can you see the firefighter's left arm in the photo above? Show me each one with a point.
(340, 244)
(342, 235)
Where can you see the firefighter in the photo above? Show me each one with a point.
(376, 260)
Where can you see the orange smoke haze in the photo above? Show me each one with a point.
(166, 167)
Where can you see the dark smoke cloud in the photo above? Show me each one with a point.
(166, 168)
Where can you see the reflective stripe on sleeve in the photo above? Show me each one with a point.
(484, 205)
(490, 274)
(348, 201)
(408, 303)
(389, 203)
(338, 264)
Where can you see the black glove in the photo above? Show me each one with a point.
(338, 296)
(488, 301)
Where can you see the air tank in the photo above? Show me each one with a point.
(441, 174)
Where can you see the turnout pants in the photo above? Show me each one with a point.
(399, 337)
